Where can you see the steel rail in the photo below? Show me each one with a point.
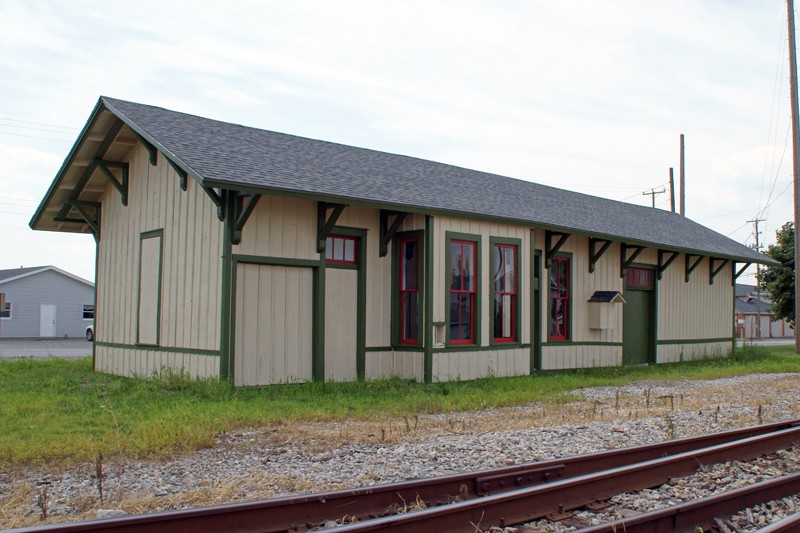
(687, 516)
(790, 523)
(300, 513)
(524, 505)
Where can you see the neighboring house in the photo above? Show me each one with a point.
(753, 305)
(45, 301)
(259, 257)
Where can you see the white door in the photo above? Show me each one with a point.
(47, 320)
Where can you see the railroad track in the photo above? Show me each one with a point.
(501, 497)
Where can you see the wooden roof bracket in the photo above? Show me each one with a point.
(152, 150)
(691, 266)
(595, 255)
(89, 170)
(182, 174)
(713, 271)
(120, 185)
(664, 265)
(218, 199)
(549, 249)
(243, 212)
(624, 260)
(93, 223)
(388, 231)
(325, 223)
(737, 273)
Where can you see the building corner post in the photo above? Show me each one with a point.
(428, 354)
(225, 355)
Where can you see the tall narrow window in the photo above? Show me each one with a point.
(559, 298)
(504, 265)
(409, 290)
(462, 291)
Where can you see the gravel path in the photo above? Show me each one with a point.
(307, 457)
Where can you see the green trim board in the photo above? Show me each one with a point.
(554, 344)
(517, 279)
(470, 348)
(409, 348)
(427, 370)
(190, 351)
(536, 306)
(695, 341)
(153, 234)
(96, 284)
(225, 337)
(477, 316)
(395, 296)
(570, 304)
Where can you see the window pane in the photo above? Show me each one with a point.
(410, 315)
(510, 263)
(455, 266)
(499, 271)
(349, 250)
(338, 249)
(6, 311)
(469, 266)
(508, 316)
(460, 316)
(88, 312)
(329, 248)
(410, 275)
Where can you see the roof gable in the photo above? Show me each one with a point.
(13, 274)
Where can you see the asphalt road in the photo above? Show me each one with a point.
(42, 349)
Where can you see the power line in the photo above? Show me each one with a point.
(39, 124)
(37, 129)
(34, 137)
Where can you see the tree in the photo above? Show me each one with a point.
(778, 280)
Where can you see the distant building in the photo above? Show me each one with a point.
(753, 306)
(45, 301)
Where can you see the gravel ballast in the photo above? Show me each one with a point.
(312, 457)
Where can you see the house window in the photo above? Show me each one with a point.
(463, 288)
(559, 298)
(504, 288)
(341, 250)
(639, 278)
(88, 311)
(409, 254)
(5, 313)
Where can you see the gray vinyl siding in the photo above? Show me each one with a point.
(27, 294)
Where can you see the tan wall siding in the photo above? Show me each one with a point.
(673, 353)
(695, 310)
(281, 227)
(191, 282)
(448, 366)
(407, 365)
(580, 356)
(146, 363)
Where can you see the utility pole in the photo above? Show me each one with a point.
(653, 192)
(795, 155)
(757, 248)
(671, 190)
(683, 180)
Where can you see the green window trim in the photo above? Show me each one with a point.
(451, 236)
(516, 307)
(570, 300)
(159, 234)
(397, 342)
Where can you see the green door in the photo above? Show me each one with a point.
(638, 327)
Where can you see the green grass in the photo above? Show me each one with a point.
(59, 411)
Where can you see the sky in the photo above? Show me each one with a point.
(590, 96)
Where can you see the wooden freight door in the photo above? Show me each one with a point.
(638, 324)
(274, 325)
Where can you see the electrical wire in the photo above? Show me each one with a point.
(70, 128)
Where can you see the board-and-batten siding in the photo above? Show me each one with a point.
(684, 313)
(286, 228)
(451, 365)
(608, 350)
(191, 273)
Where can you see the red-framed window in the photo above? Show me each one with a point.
(504, 264)
(409, 253)
(639, 278)
(341, 250)
(559, 298)
(463, 288)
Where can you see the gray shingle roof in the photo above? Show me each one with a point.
(14, 272)
(223, 154)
